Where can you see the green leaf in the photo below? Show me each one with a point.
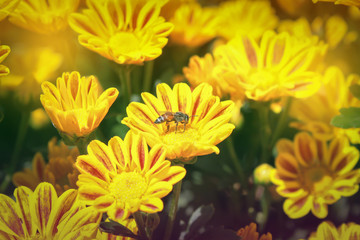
(349, 118)
(355, 90)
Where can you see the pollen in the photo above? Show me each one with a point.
(128, 186)
(173, 137)
(124, 42)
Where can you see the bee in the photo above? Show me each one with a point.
(177, 117)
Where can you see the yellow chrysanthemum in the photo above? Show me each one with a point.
(294, 7)
(204, 69)
(6, 7)
(59, 171)
(124, 31)
(43, 215)
(75, 105)
(315, 113)
(123, 177)
(169, 8)
(4, 52)
(249, 233)
(281, 65)
(207, 124)
(129, 223)
(344, 2)
(327, 230)
(43, 16)
(332, 31)
(194, 25)
(313, 175)
(241, 17)
(29, 68)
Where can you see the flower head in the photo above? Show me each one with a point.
(43, 215)
(207, 123)
(59, 171)
(6, 7)
(344, 2)
(194, 25)
(315, 113)
(4, 52)
(123, 177)
(43, 16)
(75, 105)
(30, 68)
(313, 175)
(249, 233)
(262, 173)
(124, 31)
(327, 230)
(281, 65)
(239, 17)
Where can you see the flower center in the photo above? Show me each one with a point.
(317, 179)
(175, 137)
(128, 187)
(124, 43)
(263, 79)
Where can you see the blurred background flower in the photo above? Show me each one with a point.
(43, 16)
(4, 52)
(315, 113)
(124, 31)
(59, 171)
(6, 7)
(327, 230)
(249, 233)
(345, 2)
(312, 175)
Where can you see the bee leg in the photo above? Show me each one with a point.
(168, 127)
(184, 127)
(176, 127)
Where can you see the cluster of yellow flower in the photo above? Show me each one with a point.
(254, 59)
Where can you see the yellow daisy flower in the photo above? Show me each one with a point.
(327, 230)
(194, 25)
(332, 30)
(344, 2)
(315, 113)
(123, 177)
(30, 68)
(4, 52)
(313, 175)
(75, 105)
(204, 120)
(204, 69)
(6, 7)
(43, 215)
(281, 65)
(59, 171)
(43, 16)
(124, 31)
(249, 233)
(245, 18)
(168, 10)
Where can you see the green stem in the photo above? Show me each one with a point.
(24, 124)
(172, 211)
(265, 204)
(140, 224)
(149, 67)
(281, 122)
(236, 162)
(265, 131)
(124, 72)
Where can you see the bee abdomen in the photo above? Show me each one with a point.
(159, 120)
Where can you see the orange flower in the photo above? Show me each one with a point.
(249, 233)
(60, 171)
(75, 105)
